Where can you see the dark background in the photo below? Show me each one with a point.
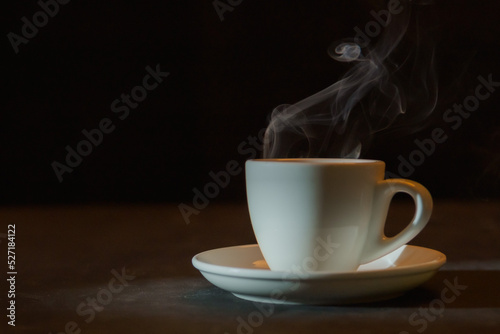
(225, 79)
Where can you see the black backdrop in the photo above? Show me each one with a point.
(225, 77)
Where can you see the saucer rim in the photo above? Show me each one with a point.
(217, 269)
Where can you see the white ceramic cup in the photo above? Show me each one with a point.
(327, 214)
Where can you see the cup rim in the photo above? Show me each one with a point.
(318, 161)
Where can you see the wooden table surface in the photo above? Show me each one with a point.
(127, 269)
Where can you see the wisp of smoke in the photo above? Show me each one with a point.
(340, 120)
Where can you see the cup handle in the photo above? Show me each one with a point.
(377, 243)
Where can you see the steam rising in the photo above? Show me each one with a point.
(346, 52)
(340, 120)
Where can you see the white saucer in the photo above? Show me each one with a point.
(243, 271)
